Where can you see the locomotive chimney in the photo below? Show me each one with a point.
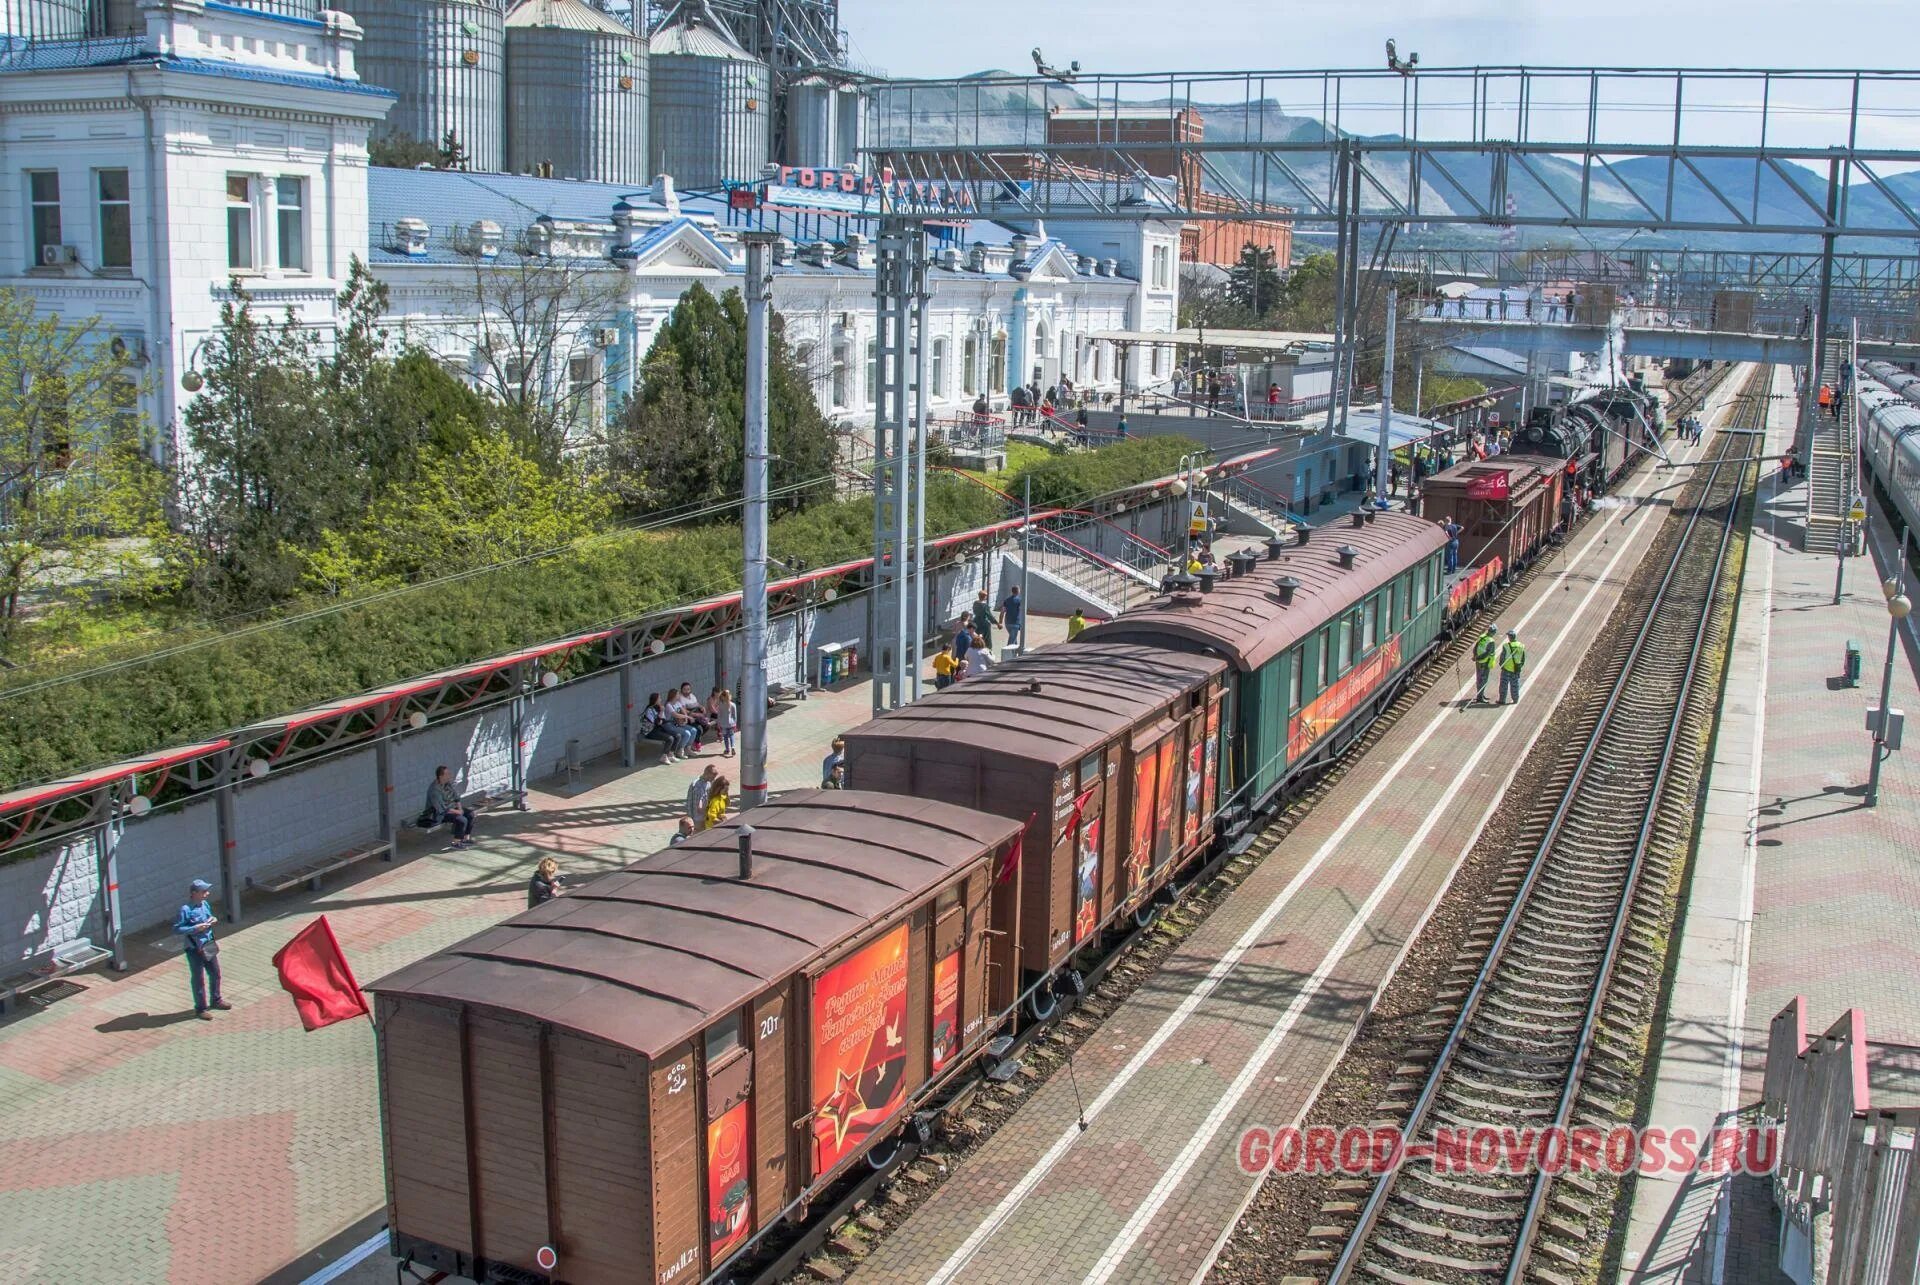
(1359, 518)
(1371, 513)
(1347, 554)
(746, 853)
(1033, 688)
(1273, 548)
(1206, 580)
(1300, 534)
(1286, 586)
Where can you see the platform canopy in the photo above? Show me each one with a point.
(1362, 424)
(1263, 340)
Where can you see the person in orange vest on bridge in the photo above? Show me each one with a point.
(1826, 396)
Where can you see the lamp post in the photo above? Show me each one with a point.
(1898, 607)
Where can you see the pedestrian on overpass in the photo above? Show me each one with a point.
(1513, 659)
(1076, 623)
(1483, 655)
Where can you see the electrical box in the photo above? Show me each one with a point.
(1851, 673)
(1896, 723)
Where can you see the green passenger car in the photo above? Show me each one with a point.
(1317, 635)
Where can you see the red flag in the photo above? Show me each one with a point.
(1491, 485)
(1012, 860)
(314, 971)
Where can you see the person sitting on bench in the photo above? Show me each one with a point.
(443, 804)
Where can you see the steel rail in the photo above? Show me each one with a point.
(1377, 1200)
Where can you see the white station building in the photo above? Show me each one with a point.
(147, 172)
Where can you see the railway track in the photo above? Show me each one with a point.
(971, 1117)
(1539, 1038)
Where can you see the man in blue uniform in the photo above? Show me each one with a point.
(195, 926)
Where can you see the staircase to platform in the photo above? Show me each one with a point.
(1831, 458)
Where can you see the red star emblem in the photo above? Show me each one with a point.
(845, 1103)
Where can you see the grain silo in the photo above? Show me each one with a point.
(851, 107)
(43, 19)
(123, 17)
(712, 112)
(447, 61)
(576, 94)
(812, 124)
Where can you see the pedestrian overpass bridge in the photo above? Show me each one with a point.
(1645, 338)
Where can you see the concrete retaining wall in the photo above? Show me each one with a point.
(53, 895)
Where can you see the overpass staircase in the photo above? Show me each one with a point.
(1832, 458)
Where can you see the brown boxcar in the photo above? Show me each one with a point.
(1506, 506)
(634, 1079)
(1089, 743)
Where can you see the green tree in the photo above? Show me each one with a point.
(679, 441)
(79, 502)
(274, 465)
(484, 502)
(1254, 282)
(401, 152)
(1307, 295)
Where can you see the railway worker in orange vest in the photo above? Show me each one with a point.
(1826, 396)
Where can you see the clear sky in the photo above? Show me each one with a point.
(921, 38)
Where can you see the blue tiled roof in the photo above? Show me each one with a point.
(458, 199)
(70, 55)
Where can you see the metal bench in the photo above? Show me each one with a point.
(70, 957)
(308, 870)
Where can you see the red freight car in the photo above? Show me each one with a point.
(1507, 506)
(1110, 750)
(629, 1082)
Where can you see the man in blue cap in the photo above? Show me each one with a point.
(195, 925)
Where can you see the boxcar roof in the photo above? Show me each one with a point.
(1518, 468)
(1086, 694)
(1242, 618)
(648, 955)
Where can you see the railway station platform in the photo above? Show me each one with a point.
(1798, 887)
(1246, 1018)
(144, 1146)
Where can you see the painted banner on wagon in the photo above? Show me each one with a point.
(1140, 845)
(1323, 713)
(1468, 587)
(729, 1193)
(1210, 784)
(1086, 879)
(1167, 802)
(946, 1010)
(859, 1046)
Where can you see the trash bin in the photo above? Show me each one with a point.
(1852, 672)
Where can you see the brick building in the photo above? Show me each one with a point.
(1136, 131)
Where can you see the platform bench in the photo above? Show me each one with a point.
(307, 870)
(61, 960)
(479, 803)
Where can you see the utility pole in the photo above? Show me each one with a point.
(922, 373)
(1385, 449)
(1026, 562)
(1898, 606)
(753, 593)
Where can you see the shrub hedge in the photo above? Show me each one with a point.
(104, 715)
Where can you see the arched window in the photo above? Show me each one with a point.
(997, 375)
(970, 365)
(803, 358)
(1069, 355)
(1099, 362)
(937, 369)
(873, 371)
